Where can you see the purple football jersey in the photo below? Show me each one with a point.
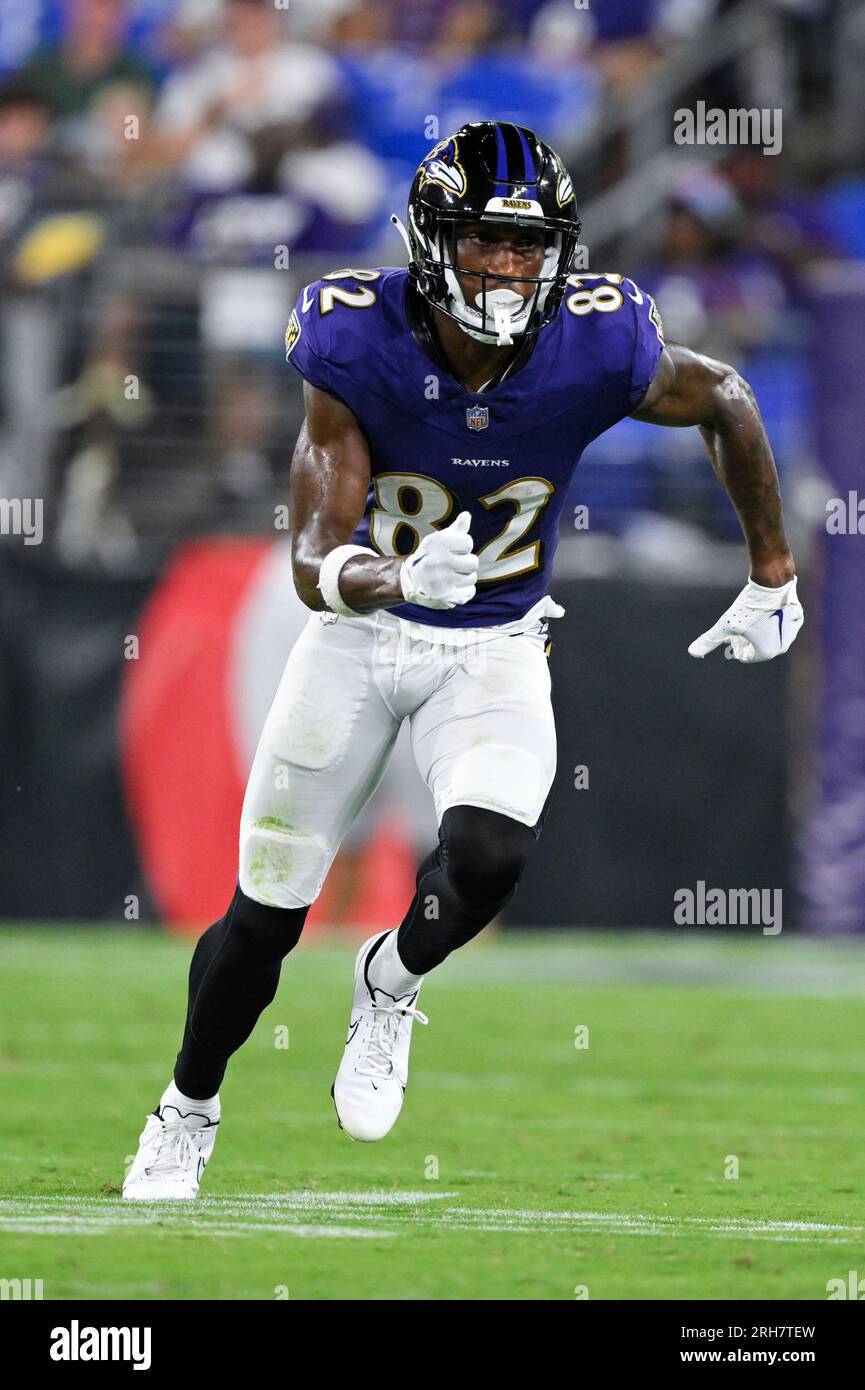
(505, 454)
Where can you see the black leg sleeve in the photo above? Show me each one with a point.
(470, 876)
(232, 978)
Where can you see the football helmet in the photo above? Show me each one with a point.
(495, 172)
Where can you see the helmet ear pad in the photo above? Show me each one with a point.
(425, 268)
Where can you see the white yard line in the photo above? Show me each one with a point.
(347, 1215)
(84, 1226)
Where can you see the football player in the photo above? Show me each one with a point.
(447, 406)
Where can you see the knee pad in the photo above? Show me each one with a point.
(266, 931)
(484, 853)
(281, 867)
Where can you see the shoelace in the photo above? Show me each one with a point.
(182, 1153)
(383, 1037)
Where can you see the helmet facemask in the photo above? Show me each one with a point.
(498, 314)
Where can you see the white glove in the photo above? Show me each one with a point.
(443, 570)
(771, 618)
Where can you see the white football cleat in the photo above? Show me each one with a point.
(373, 1073)
(173, 1152)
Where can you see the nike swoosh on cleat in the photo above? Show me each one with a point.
(779, 614)
(351, 1032)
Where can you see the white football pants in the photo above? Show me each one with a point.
(482, 733)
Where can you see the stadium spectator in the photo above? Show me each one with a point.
(560, 34)
(25, 131)
(90, 56)
(715, 291)
(245, 101)
(441, 28)
(257, 129)
(113, 149)
(242, 429)
(785, 221)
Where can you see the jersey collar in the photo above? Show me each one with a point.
(420, 320)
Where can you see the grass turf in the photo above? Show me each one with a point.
(522, 1166)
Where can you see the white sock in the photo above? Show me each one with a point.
(387, 972)
(186, 1105)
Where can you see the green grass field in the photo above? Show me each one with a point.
(522, 1166)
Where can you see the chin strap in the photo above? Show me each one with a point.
(420, 318)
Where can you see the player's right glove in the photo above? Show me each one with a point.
(442, 572)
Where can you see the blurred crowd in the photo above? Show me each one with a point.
(172, 170)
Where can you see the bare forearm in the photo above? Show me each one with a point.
(329, 484)
(692, 389)
(742, 460)
(366, 582)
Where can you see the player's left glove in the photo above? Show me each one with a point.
(762, 623)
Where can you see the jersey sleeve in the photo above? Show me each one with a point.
(648, 342)
(306, 347)
(329, 341)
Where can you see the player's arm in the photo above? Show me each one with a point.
(691, 389)
(330, 476)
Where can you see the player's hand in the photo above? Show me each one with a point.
(443, 571)
(761, 624)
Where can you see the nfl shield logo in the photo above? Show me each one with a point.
(477, 417)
